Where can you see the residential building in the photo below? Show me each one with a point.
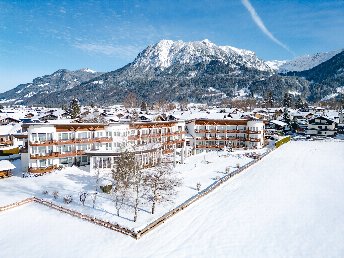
(321, 126)
(215, 134)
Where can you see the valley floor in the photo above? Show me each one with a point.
(287, 205)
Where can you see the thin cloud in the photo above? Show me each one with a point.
(109, 50)
(258, 21)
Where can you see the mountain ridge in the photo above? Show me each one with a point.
(172, 70)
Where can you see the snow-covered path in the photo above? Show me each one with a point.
(288, 205)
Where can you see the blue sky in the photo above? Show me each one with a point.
(40, 37)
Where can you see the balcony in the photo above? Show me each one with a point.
(52, 155)
(220, 139)
(208, 147)
(254, 140)
(6, 142)
(254, 132)
(151, 135)
(173, 142)
(49, 155)
(70, 141)
(42, 170)
(41, 143)
(133, 137)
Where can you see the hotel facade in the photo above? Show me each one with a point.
(52, 145)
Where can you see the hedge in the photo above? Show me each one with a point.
(282, 141)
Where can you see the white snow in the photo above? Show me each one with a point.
(30, 94)
(287, 205)
(203, 168)
(43, 84)
(277, 122)
(98, 82)
(339, 90)
(307, 62)
(275, 64)
(88, 70)
(294, 93)
(6, 165)
(167, 52)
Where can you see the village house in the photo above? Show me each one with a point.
(321, 126)
(6, 168)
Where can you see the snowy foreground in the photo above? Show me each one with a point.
(204, 168)
(287, 205)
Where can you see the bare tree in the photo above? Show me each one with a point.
(120, 196)
(137, 185)
(122, 175)
(130, 100)
(83, 196)
(162, 184)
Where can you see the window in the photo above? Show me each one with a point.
(42, 163)
(83, 135)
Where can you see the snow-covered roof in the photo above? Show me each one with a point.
(6, 165)
(277, 122)
(9, 129)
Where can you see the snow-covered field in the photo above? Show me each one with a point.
(204, 168)
(288, 205)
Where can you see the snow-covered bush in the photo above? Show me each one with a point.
(198, 186)
(56, 195)
(67, 199)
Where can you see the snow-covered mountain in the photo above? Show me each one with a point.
(326, 79)
(168, 53)
(302, 63)
(60, 80)
(198, 71)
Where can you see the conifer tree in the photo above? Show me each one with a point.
(74, 108)
(287, 100)
(286, 116)
(270, 100)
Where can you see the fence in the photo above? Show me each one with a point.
(16, 204)
(196, 197)
(151, 226)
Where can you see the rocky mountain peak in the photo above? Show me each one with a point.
(167, 53)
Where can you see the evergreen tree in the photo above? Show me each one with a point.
(270, 100)
(143, 106)
(286, 116)
(287, 100)
(299, 103)
(74, 109)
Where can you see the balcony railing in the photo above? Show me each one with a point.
(226, 131)
(220, 139)
(70, 141)
(52, 155)
(6, 142)
(42, 170)
(254, 140)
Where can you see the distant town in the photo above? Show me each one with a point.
(47, 139)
